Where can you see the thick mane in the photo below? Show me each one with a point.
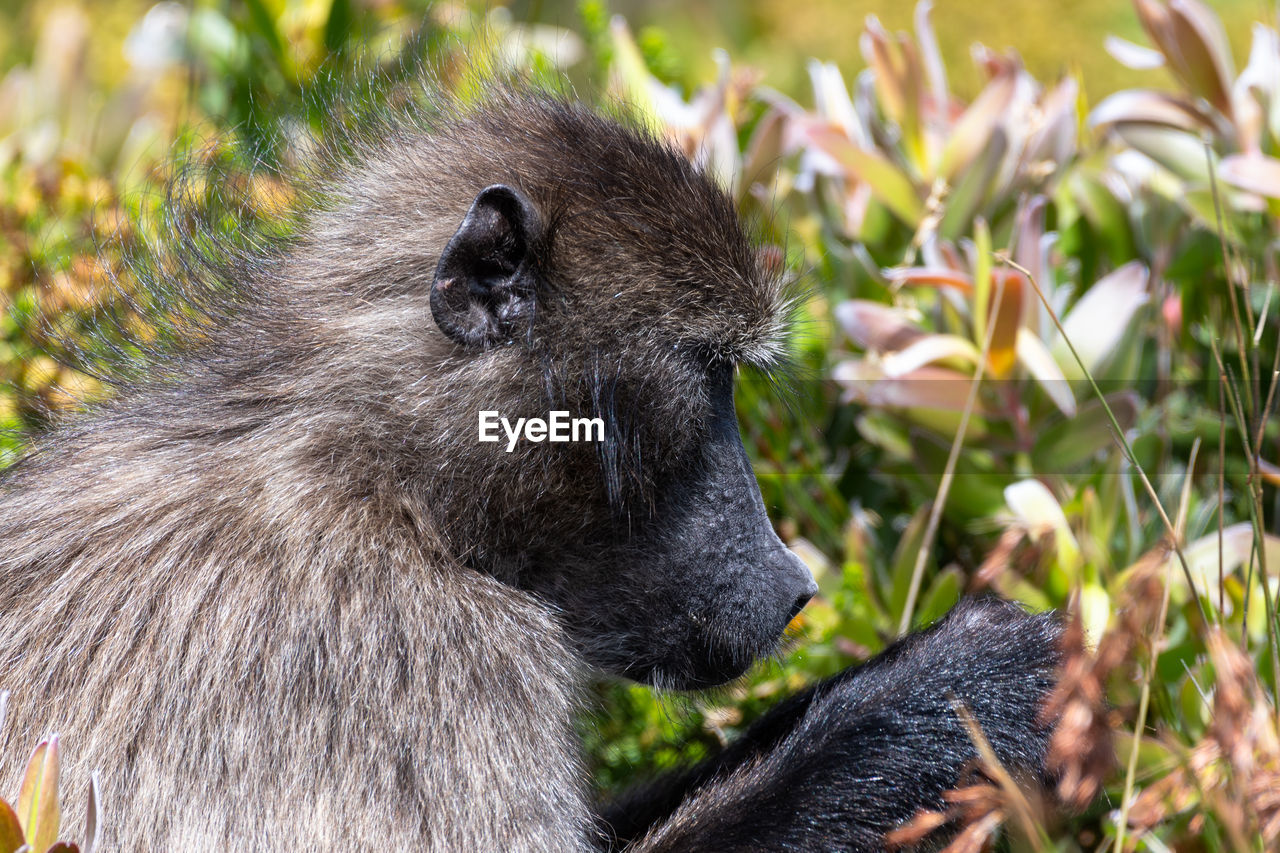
(316, 311)
(289, 441)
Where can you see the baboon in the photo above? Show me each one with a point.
(280, 596)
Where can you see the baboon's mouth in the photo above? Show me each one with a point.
(725, 658)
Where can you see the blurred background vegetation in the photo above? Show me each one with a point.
(1040, 357)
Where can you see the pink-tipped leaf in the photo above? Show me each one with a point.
(38, 809)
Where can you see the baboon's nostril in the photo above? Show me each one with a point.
(800, 602)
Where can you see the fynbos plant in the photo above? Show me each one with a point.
(902, 142)
(32, 826)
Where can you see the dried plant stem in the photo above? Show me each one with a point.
(1266, 407)
(1262, 315)
(1143, 705)
(1222, 491)
(1120, 438)
(1226, 269)
(1144, 699)
(1249, 404)
(1184, 499)
(1255, 518)
(948, 472)
(1012, 791)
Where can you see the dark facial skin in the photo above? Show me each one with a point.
(686, 583)
(703, 587)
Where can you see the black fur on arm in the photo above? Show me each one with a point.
(635, 811)
(838, 766)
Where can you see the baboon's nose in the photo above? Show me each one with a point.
(801, 600)
(797, 585)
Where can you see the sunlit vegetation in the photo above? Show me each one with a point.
(1039, 357)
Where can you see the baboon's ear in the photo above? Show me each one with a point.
(484, 289)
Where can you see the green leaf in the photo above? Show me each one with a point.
(886, 181)
(11, 835)
(886, 432)
(630, 75)
(904, 560)
(265, 25)
(38, 809)
(1107, 218)
(981, 280)
(338, 26)
(1039, 513)
(974, 188)
(946, 422)
(972, 134)
(976, 491)
(1141, 106)
(1068, 443)
(1255, 173)
(1096, 324)
(1178, 151)
(943, 594)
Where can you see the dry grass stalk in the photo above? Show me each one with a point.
(975, 810)
(1234, 772)
(1082, 750)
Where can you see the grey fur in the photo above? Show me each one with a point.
(278, 595)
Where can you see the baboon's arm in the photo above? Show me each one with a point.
(633, 813)
(836, 767)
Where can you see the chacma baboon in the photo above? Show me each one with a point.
(280, 595)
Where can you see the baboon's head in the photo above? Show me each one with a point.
(571, 263)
